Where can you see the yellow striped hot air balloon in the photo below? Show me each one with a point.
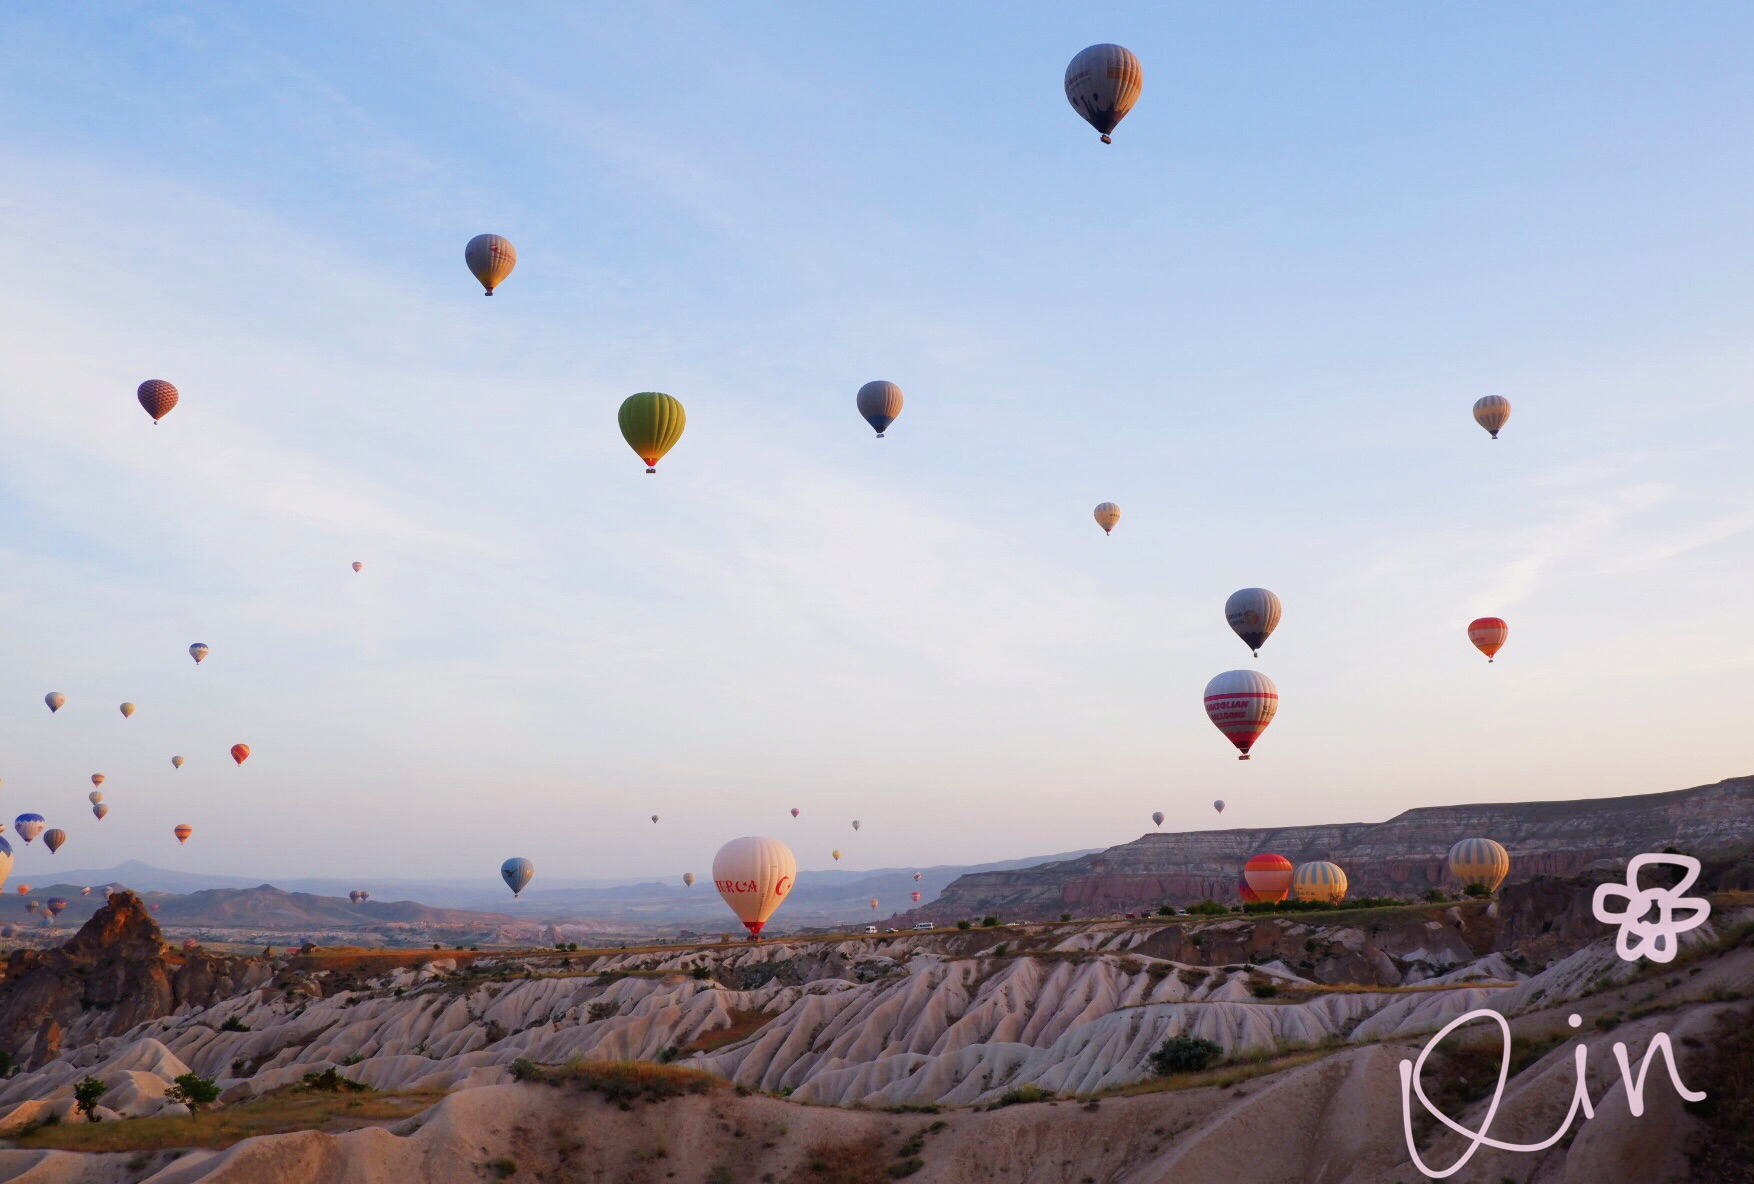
(1492, 413)
(1108, 515)
(1479, 861)
(491, 258)
(651, 423)
(1319, 881)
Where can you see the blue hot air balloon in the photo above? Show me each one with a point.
(28, 826)
(516, 873)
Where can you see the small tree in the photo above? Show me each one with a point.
(1065, 916)
(1436, 895)
(1166, 910)
(1477, 889)
(989, 922)
(965, 924)
(86, 1092)
(194, 1091)
(1185, 1054)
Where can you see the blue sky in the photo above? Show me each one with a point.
(1257, 321)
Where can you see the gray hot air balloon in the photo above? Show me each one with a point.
(879, 402)
(54, 839)
(1253, 613)
(1157, 817)
(1219, 805)
(516, 873)
(176, 762)
(491, 258)
(95, 796)
(56, 700)
(100, 811)
(198, 651)
(688, 878)
(856, 824)
(1102, 84)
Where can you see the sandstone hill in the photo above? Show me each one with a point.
(1404, 856)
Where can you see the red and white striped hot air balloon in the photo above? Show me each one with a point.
(754, 874)
(1269, 875)
(1488, 635)
(183, 830)
(1241, 703)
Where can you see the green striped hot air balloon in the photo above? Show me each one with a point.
(651, 422)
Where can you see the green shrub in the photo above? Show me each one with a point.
(193, 1091)
(1265, 990)
(1477, 890)
(86, 1092)
(329, 1081)
(1166, 910)
(233, 1024)
(1436, 895)
(1185, 1054)
(906, 1167)
(965, 924)
(701, 972)
(1207, 908)
(1023, 1095)
(1065, 916)
(989, 922)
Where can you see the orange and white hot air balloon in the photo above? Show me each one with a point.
(97, 779)
(157, 396)
(1492, 413)
(1241, 703)
(127, 710)
(1108, 515)
(754, 874)
(1488, 635)
(491, 258)
(183, 830)
(240, 753)
(1102, 84)
(1269, 875)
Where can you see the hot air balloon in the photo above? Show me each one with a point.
(86, 891)
(654, 819)
(31, 906)
(240, 753)
(873, 904)
(199, 650)
(1253, 613)
(651, 423)
(1219, 805)
(127, 709)
(364, 895)
(918, 876)
(1492, 413)
(154, 908)
(183, 830)
(7, 930)
(1108, 515)
(1241, 703)
(491, 258)
(1157, 817)
(516, 873)
(879, 402)
(5, 860)
(1319, 881)
(916, 897)
(1479, 861)
(688, 879)
(24, 889)
(353, 896)
(1488, 635)
(56, 905)
(176, 762)
(54, 839)
(98, 779)
(157, 396)
(1269, 875)
(190, 943)
(855, 824)
(1249, 895)
(794, 811)
(28, 826)
(1102, 84)
(55, 700)
(358, 566)
(753, 874)
(836, 855)
(100, 811)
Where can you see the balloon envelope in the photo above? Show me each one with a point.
(127, 709)
(1479, 861)
(1319, 881)
(491, 258)
(1253, 614)
(176, 762)
(183, 830)
(1102, 84)
(240, 753)
(100, 811)
(879, 402)
(1492, 413)
(916, 897)
(5, 860)
(1241, 703)
(688, 879)
(918, 876)
(753, 874)
(856, 824)
(55, 700)
(836, 855)
(56, 905)
(1269, 875)
(1219, 805)
(54, 839)
(358, 566)
(1157, 817)
(198, 651)
(794, 811)
(1488, 635)
(157, 396)
(1107, 516)
(28, 826)
(516, 873)
(94, 797)
(651, 423)
(1249, 895)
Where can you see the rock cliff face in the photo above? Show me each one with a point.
(116, 972)
(1404, 856)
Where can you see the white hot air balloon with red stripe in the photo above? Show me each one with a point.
(491, 258)
(754, 875)
(1241, 703)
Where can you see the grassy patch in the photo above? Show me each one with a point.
(1726, 1148)
(291, 1109)
(622, 1082)
(863, 1162)
(1228, 1074)
(743, 1024)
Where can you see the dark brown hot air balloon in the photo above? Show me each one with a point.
(158, 397)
